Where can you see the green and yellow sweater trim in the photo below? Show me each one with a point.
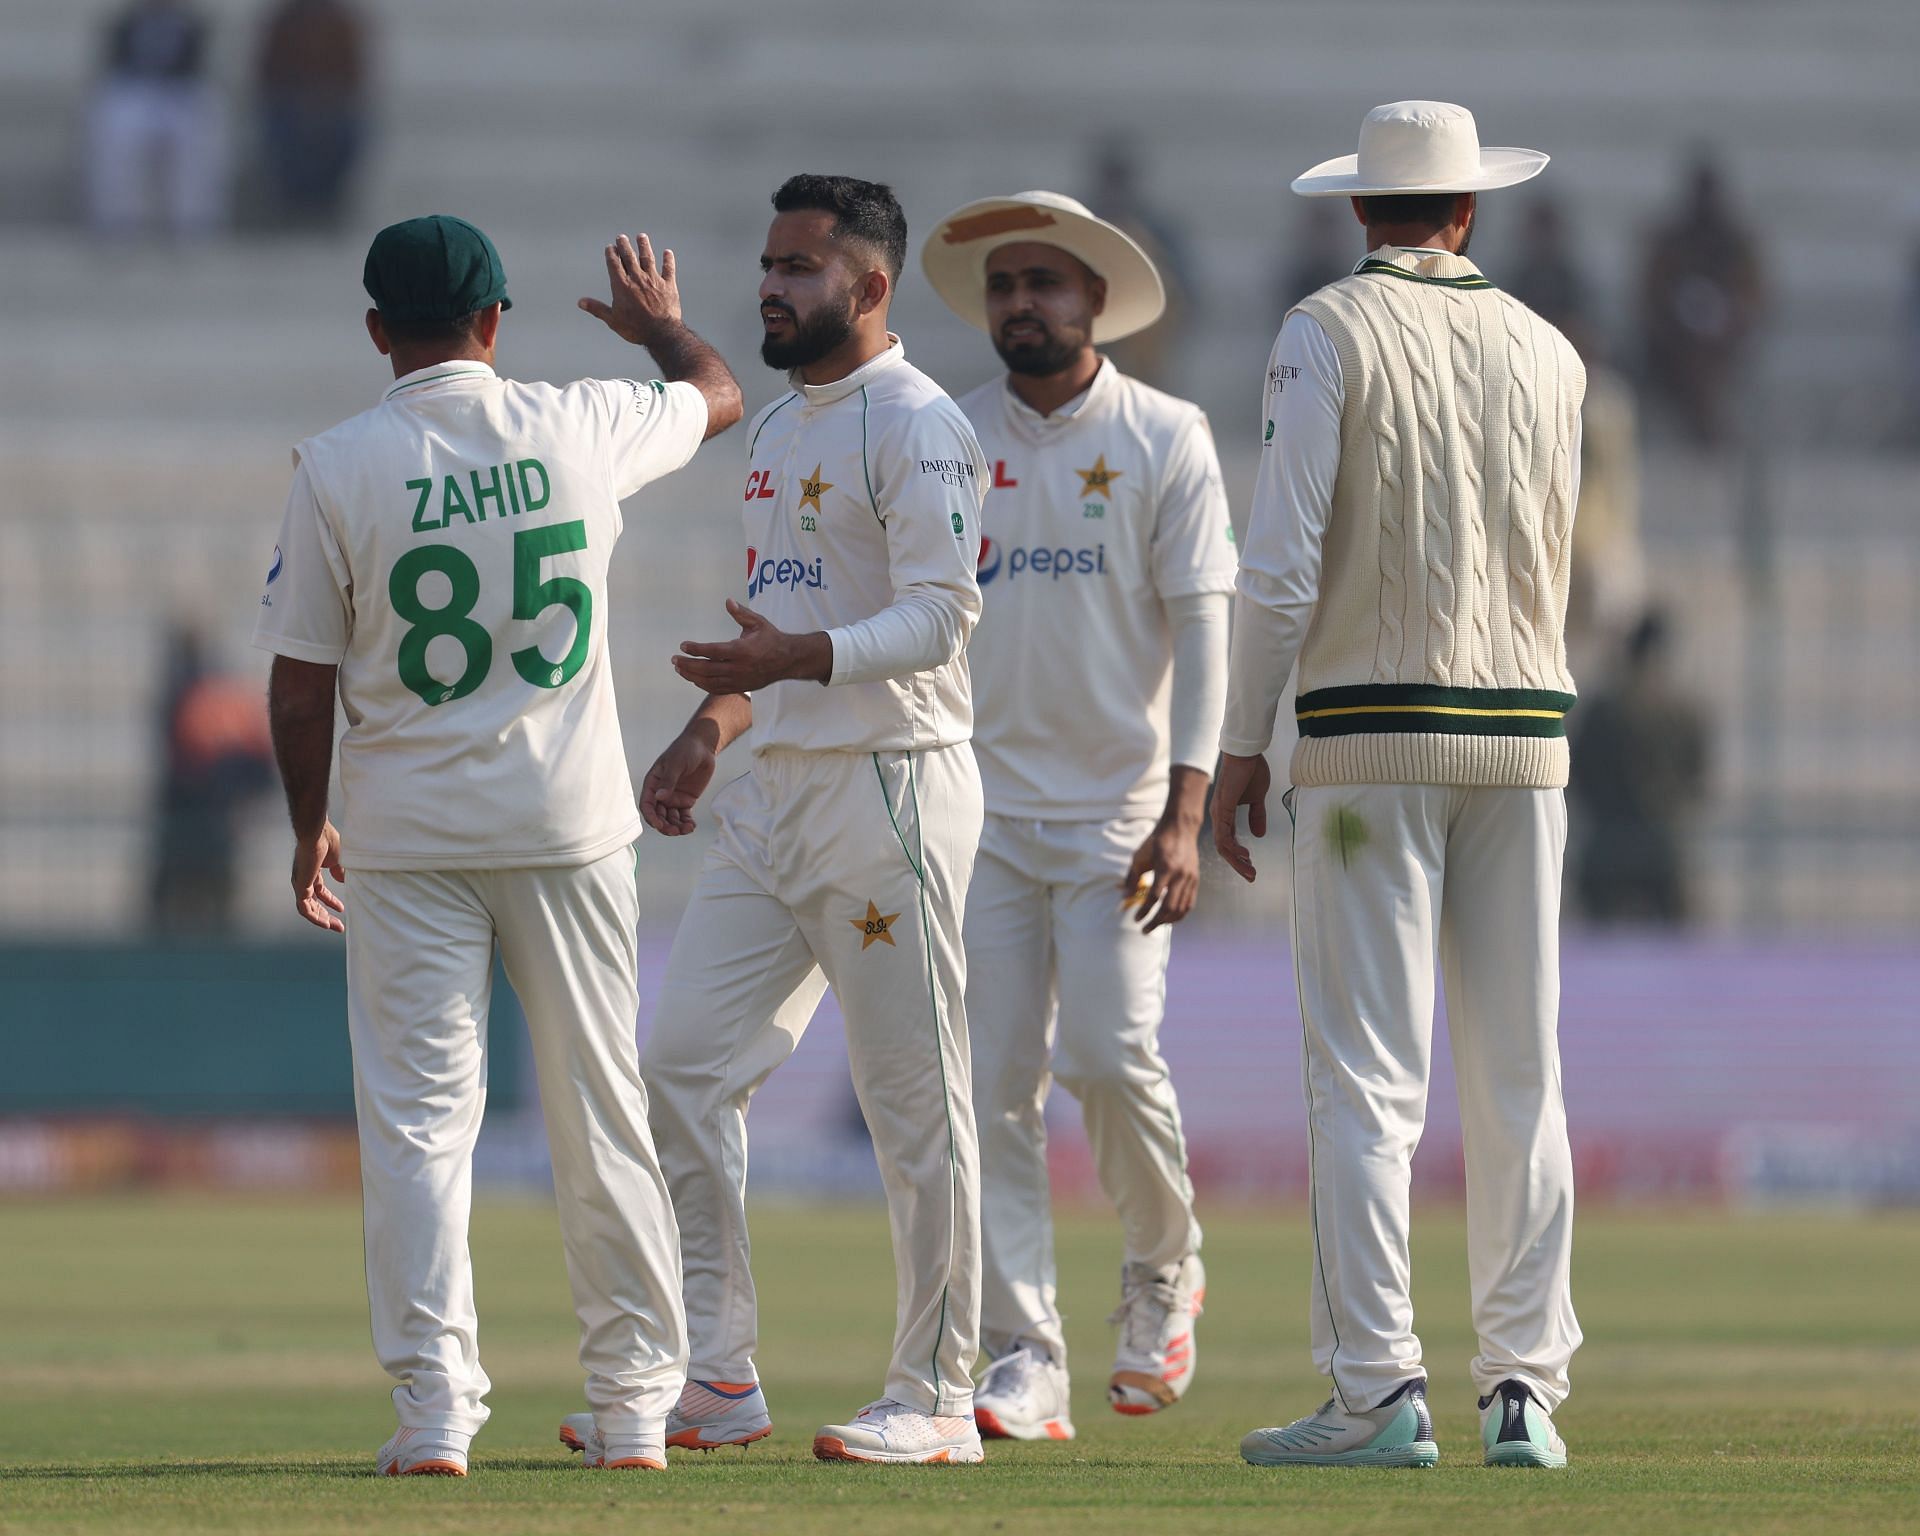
(1388, 269)
(1372, 709)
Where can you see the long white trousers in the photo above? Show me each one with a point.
(1062, 983)
(1381, 873)
(419, 983)
(848, 868)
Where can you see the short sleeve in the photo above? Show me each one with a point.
(1193, 535)
(652, 429)
(306, 606)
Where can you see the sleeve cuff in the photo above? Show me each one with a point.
(840, 670)
(1219, 583)
(301, 650)
(1241, 746)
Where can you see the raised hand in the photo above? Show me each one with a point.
(646, 298)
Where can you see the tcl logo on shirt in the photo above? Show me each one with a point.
(1002, 481)
(1056, 562)
(759, 486)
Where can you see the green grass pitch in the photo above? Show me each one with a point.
(203, 1365)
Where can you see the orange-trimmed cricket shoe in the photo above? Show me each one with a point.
(1154, 1361)
(424, 1453)
(891, 1432)
(1023, 1396)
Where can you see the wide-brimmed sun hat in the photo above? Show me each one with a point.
(955, 257)
(1410, 147)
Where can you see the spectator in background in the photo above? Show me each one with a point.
(1701, 301)
(1639, 775)
(312, 84)
(1317, 254)
(1546, 279)
(218, 757)
(1152, 354)
(157, 149)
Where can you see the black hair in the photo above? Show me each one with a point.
(863, 211)
(1431, 210)
(431, 333)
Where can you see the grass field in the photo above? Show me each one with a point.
(202, 1365)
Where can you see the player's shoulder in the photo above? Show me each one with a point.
(1544, 337)
(905, 400)
(1152, 417)
(1154, 407)
(771, 409)
(983, 401)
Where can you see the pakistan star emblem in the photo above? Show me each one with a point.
(1098, 478)
(874, 928)
(811, 489)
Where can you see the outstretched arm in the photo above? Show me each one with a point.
(645, 310)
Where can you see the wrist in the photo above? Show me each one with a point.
(810, 657)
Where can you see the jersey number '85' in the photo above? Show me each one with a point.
(531, 598)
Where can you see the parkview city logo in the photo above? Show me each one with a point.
(950, 471)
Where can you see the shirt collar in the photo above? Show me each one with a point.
(1026, 417)
(1422, 261)
(437, 375)
(853, 383)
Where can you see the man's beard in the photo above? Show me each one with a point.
(1038, 359)
(821, 333)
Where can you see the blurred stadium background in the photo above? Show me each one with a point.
(164, 1018)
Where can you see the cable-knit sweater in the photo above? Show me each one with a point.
(1436, 651)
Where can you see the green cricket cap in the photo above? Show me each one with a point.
(434, 268)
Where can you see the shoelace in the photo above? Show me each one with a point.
(1142, 1325)
(1009, 1373)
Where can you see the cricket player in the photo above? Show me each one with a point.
(442, 566)
(843, 855)
(1106, 541)
(1409, 546)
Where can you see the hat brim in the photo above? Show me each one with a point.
(1499, 167)
(955, 260)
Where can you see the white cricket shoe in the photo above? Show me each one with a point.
(892, 1432)
(1516, 1431)
(425, 1453)
(1023, 1396)
(1396, 1433)
(579, 1432)
(708, 1415)
(1154, 1360)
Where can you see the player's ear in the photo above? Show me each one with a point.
(1097, 296)
(875, 290)
(486, 327)
(378, 333)
(1359, 209)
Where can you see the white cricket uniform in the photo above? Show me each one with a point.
(843, 858)
(1104, 516)
(1373, 855)
(448, 551)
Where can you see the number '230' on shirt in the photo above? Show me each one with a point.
(448, 550)
(1099, 514)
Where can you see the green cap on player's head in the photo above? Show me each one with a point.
(434, 268)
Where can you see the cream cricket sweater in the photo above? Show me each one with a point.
(1435, 654)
